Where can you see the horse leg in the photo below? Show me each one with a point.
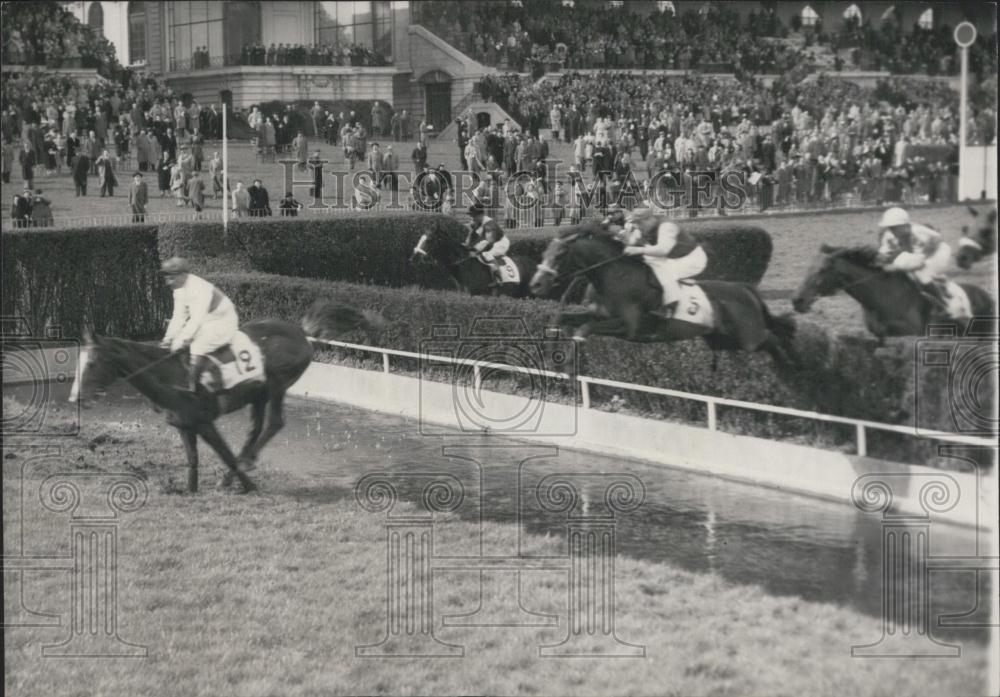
(190, 439)
(257, 425)
(274, 420)
(211, 435)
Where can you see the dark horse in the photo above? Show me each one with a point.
(629, 299)
(893, 304)
(162, 377)
(981, 243)
(467, 272)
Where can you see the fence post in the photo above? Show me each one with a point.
(862, 440)
(711, 415)
(385, 362)
(585, 392)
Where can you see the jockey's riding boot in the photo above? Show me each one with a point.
(198, 365)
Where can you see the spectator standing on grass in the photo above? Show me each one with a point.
(289, 207)
(241, 201)
(177, 184)
(419, 157)
(163, 169)
(138, 197)
(81, 170)
(106, 174)
(390, 165)
(301, 147)
(375, 164)
(93, 151)
(196, 191)
(20, 209)
(215, 167)
(28, 161)
(41, 210)
(260, 204)
(197, 148)
(395, 127)
(316, 113)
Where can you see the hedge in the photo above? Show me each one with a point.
(375, 248)
(843, 375)
(105, 279)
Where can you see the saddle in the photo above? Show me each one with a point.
(506, 271)
(240, 362)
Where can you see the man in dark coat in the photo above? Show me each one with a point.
(81, 170)
(138, 197)
(260, 205)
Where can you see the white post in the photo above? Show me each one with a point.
(963, 121)
(225, 173)
(965, 36)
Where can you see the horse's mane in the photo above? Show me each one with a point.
(862, 255)
(592, 231)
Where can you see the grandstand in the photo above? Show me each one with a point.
(428, 48)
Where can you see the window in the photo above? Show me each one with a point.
(666, 6)
(224, 28)
(193, 25)
(809, 16)
(853, 15)
(95, 18)
(926, 20)
(367, 24)
(136, 32)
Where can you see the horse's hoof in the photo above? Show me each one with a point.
(248, 486)
(226, 481)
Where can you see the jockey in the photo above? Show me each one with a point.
(917, 250)
(204, 318)
(487, 239)
(666, 248)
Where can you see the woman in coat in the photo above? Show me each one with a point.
(106, 174)
(177, 184)
(163, 173)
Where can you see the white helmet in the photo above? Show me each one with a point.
(893, 217)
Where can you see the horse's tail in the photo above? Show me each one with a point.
(329, 321)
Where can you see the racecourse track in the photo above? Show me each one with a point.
(786, 544)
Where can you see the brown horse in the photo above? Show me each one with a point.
(627, 300)
(892, 303)
(161, 376)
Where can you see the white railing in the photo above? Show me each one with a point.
(861, 426)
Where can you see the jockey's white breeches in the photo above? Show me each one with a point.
(935, 266)
(218, 329)
(671, 271)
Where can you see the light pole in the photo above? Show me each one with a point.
(965, 35)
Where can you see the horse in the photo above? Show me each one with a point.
(893, 305)
(982, 243)
(468, 273)
(161, 376)
(627, 300)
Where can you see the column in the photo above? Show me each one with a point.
(409, 589)
(590, 537)
(94, 547)
(905, 571)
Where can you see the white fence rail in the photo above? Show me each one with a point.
(861, 426)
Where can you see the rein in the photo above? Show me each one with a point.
(146, 367)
